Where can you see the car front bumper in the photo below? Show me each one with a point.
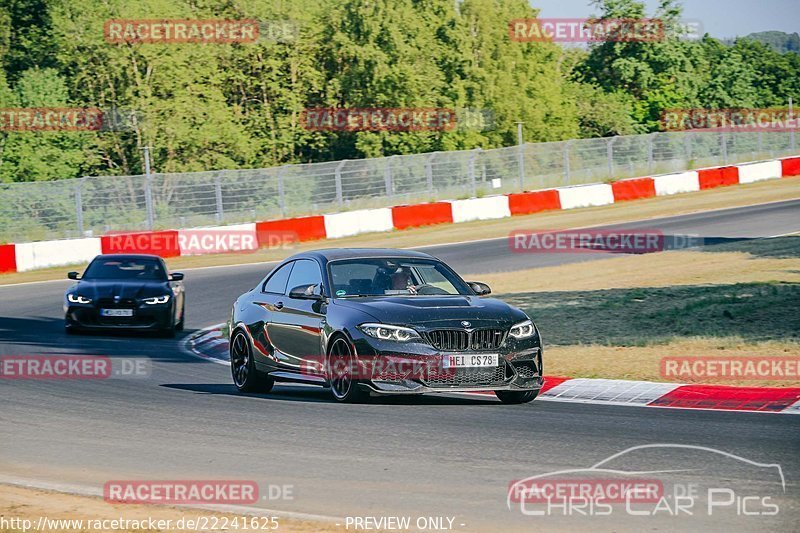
(417, 368)
(149, 317)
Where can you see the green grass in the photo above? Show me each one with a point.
(753, 312)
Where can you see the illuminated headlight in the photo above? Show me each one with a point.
(523, 330)
(77, 299)
(389, 333)
(157, 300)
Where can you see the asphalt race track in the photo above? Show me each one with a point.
(428, 456)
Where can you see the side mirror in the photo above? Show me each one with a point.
(306, 292)
(481, 289)
(73, 275)
(176, 276)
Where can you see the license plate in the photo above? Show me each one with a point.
(116, 312)
(470, 360)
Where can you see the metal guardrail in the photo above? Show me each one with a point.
(95, 205)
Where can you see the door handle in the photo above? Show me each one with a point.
(279, 305)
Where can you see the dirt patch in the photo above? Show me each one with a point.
(35, 505)
(645, 362)
(617, 318)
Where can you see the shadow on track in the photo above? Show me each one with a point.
(314, 394)
(39, 335)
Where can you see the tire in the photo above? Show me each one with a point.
(340, 363)
(246, 376)
(516, 397)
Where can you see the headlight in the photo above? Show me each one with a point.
(523, 330)
(77, 299)
(389, 333)
(157, 300)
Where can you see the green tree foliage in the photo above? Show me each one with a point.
(47, 155)
(779, 41)
(226, 106)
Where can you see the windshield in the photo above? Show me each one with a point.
(393, 277)
(113, 268)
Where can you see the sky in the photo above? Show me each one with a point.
(720, 18)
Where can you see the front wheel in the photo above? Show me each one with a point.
(516, 397)
(246, 376)
(342, 373)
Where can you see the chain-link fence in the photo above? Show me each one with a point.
(92, 206)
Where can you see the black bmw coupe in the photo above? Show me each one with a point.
(383, 321)
(125, 291)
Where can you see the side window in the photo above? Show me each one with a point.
(305, 272)
(276, 283)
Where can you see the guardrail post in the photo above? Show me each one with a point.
(724, 141)
(521, 157)
(650, 143)
(337, 178)
(218, 196)
(567, 176)
(610, 152)
(387, 176)
(687, 145)
(471, 171)
(429, 172)
(760, 140)
(281, 192)
(148, 190)
(79, 206)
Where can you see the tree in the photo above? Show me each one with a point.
(657, 74)
(41, 155)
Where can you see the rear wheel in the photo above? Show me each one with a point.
(245, 375)
(516, 397)
(341, 373)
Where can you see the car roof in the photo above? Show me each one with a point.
(127, 256)
(333, 254)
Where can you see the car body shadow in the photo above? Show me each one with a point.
(314, 394)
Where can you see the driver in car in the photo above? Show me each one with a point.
(402, 279)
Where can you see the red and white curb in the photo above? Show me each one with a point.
(210, 345)
(22, 257)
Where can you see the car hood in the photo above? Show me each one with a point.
(436, 310)
(125, 289)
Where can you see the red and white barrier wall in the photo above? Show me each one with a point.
(271, 233)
